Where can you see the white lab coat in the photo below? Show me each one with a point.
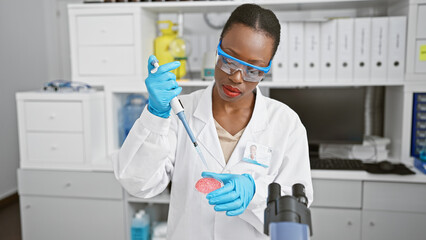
(158, 151)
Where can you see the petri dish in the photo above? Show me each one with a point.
(207, 185)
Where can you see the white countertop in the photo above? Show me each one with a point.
(419, 177)
(105, 165)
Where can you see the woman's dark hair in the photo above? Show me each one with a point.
(257, 18)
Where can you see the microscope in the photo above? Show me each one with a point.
(287, 217)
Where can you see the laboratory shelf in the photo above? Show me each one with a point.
(140, 87)
(419, 177)
(277, 84)
(136, 87)
(271, 84)
(194, 83)
(286, 5)
(163, 198)
(221, 6)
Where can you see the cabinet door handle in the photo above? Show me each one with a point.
(67, 185)
(104, 60)
(54, 147)
(349, 223)
(52, 116)
(27, 206)
(372, 224)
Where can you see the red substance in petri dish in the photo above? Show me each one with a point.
(206, 185)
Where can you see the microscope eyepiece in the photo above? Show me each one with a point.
(299, 193)
(282, 210)
(274, 192)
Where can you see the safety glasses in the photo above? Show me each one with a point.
(230, 65)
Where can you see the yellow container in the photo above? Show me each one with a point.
(166, 54)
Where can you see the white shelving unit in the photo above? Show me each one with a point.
(162, 198)
(138, 40)
(62, 130)
(145, 14)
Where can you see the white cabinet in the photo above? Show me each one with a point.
(108, 45)
(336, 210)
(100, 60)
(62, 130)
(105, 29)
(393, 211)
(53, 116)
(336, 224)
(54, 147)
(389, 225)
(70, 205)
(71, 218)
(371, 207)
(395, 196)
(337, 193)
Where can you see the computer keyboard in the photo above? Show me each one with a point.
(336, 164)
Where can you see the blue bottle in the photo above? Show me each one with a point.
(140, 226)
(129, 113)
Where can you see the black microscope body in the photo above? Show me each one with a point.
(287, 209)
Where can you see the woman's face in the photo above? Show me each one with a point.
(250, 46)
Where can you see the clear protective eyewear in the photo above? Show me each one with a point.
(230, 65)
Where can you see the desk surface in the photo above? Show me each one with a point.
(419, 177)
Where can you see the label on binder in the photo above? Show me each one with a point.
(422, 55)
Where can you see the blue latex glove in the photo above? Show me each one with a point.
(235, 195)
(162, 87)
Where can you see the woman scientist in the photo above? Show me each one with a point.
(228, 117)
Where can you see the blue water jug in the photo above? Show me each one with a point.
(129, 113)
(140, 226)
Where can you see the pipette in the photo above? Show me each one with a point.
(178, 110)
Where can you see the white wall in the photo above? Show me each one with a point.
(23, 66)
